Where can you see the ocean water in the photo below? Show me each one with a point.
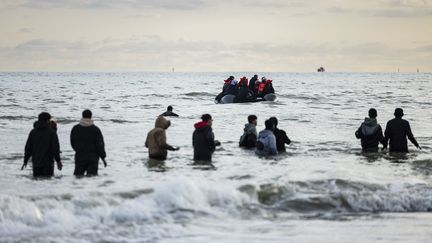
(322, 190)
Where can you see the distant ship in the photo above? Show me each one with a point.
(321, 69)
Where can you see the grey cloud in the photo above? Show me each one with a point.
(150, 53)
(25, 30)
(108, 4)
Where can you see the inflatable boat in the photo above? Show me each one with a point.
(228, 99)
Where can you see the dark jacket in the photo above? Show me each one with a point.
(42, 146)
(281, 139)
(269, 89)
(203, 141)
(87, 141)
(169, 113)
(252, 86)
(232, 89)
(397, 131)
(370, 133)
(249, 137)
(242, 95)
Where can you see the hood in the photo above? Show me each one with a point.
(162, 122)
(265, 133)
(369, 126)
(86, 122)
(201, 124)
(249, 128)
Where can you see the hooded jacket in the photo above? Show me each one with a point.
(370, 133)
(268, 140)
(42, 146)
(249, 137)
(87, 141)
(156, 139)
(397, 131)
(203, 141)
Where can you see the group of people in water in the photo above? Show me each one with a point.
(246, 90)
(396, 133)
(87, 141)
(43, 146)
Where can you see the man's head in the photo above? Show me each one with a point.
(274, 120)
(252, 119)
(207, 118)
(87, 114)
(373, 113)
(269, 125)
(398, 113)
(44, 117)
(169, 108)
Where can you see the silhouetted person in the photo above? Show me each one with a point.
(227, 84)
(266, 142)
(370, 133)
(169, 112)
(249, 137)
(203, 140)
(243, 91)
(397, 131)
(156, 140)
(281, 136)
(252, 84)
(43, 147)
(88, 142)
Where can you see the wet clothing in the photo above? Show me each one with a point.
(203, 141)
(231, 89)
(88, 142)
(243, 94)
(169, 113)
(397, 131)
(249, 137)
(281, 139)
(268, 89)
(252, 84)
(156, 140)
(266, 143)
(43, 147)
(370, 133)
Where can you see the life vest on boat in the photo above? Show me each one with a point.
(261, 87)
(243, 82)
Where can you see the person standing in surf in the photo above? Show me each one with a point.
(43, 148)
(281, 136)
(169, 112)
(88, 142)
(203, 140)
(397, 131)
(370, 133)
(156, 140)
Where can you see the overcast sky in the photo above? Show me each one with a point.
(215, 35)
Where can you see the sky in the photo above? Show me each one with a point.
(216, 35)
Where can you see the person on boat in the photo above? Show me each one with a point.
(227, 84)
(88, 143)
(169, 112)
(266, 142)
(156, 140)
(281, 136)
(252, 84)
(203, 140)
(370, 133)
(43, 148)
(249, 137)
(397, 131)
(243, 91)
(269, 87)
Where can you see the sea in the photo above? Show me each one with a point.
(323, 189)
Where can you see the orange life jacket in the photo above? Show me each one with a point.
(261, 87)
